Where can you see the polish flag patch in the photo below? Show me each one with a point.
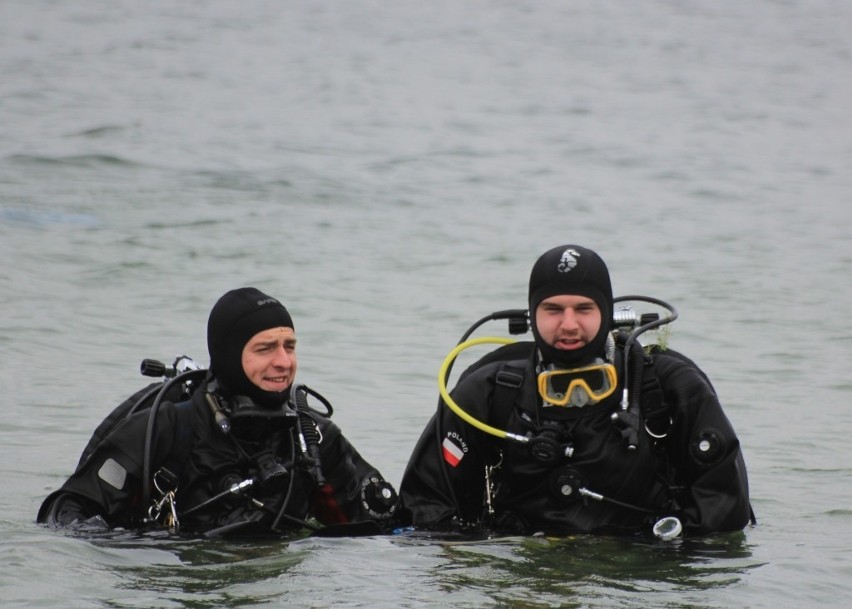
(453, 453)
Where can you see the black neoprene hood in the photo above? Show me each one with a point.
(575, 270)
(235, 318)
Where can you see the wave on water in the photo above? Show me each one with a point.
(38, 218)
(96, 132)
(172, 225)
(73, 160)
(233, 179)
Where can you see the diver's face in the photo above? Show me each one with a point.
(269, 359)
(568, 321)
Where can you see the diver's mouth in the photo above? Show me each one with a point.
(567, 344)
(277, 380)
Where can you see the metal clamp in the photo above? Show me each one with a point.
(158, 509)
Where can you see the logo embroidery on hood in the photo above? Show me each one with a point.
(568, 260)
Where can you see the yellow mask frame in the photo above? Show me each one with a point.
(585, 385)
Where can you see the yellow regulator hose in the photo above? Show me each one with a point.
(442, 387)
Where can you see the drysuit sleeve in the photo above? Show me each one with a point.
(352, 490)
(709, 471)
(445, 476)
(67, 510)
(105, 490)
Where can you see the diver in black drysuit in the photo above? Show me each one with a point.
(581, 471)
(260, 477)
(259, 448)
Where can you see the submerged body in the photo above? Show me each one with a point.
(445, 484)
(275, 488)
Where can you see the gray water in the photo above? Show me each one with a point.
(391, 171)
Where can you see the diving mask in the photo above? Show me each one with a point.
(577, 386)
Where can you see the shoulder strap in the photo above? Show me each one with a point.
(510, 352)
(507, 383)
(182, 444)
(655, 410)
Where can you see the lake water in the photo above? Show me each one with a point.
(391, 171)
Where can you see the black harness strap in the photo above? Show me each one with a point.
(508, 382)
(167, 477)
(175, 462)
(510, 376)
(653, 406)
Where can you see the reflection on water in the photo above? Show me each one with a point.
(581, 571)
(589, 571)
(201, 572)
